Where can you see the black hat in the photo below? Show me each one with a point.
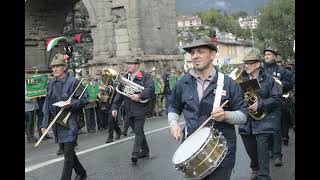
(201, 41)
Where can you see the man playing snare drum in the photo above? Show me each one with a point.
(194, 95)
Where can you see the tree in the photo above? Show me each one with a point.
(238, 14)
(277, 26)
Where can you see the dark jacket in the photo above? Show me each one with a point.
(166, 78)
(269, 99)
(61, 90)
(284, 75)
(133, 108)
(185, 99)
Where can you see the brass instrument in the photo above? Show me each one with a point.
(130, 88)
(108, 76)
(64, 121)
(250, 95)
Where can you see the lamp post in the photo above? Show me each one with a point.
(252, 36)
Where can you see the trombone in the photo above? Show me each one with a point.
(59, 113)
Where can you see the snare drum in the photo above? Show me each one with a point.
(201, 153)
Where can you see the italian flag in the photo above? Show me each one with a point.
(54, 42)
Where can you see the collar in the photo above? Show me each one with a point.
(210, 77)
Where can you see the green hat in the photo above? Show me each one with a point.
(201, 41)
(134, 60)
(273, 50)
(253, 55)
(58, 60)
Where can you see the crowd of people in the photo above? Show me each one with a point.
(98, 106)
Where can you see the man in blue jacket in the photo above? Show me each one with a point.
(286, 77)
(194, 96)
(60, 88)
(256, 134)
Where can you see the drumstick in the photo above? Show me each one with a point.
(205, 122)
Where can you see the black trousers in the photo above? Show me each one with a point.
(221, 173)
(40, 115)
(140, 141)
(285, 121)
(29, 117)
(113, 126)
(90, 119)
(127, 123)
(102, 118)
(257, 149)
(71, 162)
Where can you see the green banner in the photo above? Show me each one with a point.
(172, 81)
(36, 85)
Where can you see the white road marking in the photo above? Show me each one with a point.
(46, 163)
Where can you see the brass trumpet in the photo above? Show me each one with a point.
(65, 119)
(130, 88)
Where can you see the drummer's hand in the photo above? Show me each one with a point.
(176, 132)
(218, 114)
(102, 87)
(43, 130)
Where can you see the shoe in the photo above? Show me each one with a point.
(118, 136)
(48, 137)
(91, 131)
(254, 175)
(124, 133)
(134, 160)
(83, 177)
(60, 151)
(109, 140)
(32, 140)
(143, 155)
(285, 141)
(278, 162)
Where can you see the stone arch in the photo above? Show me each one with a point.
(45, 19)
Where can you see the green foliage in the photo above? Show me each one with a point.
(225, 23)
(277, 26)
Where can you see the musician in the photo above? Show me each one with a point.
(60, 88)
(108, 88)
(256, 134)
(286, 78)
(135, 110)
(31, 106)
(194, 96)
(102, 111)
(89, 109)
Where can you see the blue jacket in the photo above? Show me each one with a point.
(284, 75)
(69, 83)
(184, 98)
(269, 101)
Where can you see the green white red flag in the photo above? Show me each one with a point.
(54, 42)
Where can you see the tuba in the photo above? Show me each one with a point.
(107, 80)
(250, 95)
(129, 88)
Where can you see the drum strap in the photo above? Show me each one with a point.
(217, 97)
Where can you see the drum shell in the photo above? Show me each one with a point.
(206, 159)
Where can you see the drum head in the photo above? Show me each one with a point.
(191, 145)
